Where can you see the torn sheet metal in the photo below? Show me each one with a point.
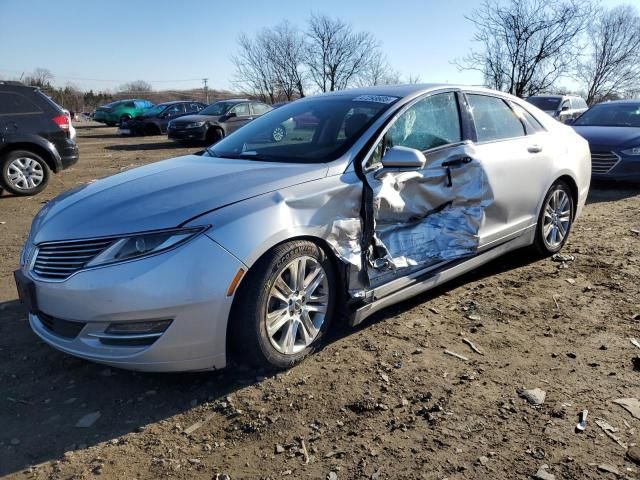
(419, 220)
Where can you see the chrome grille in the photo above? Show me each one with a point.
(60, 259)
(603, 162)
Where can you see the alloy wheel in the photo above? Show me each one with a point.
(25, 173)
(297, 305)
(557, 218)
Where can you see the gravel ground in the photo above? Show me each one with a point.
(381, 401)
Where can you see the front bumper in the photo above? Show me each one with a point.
(198, 134)
(187, 285)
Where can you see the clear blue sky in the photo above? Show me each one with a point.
(100, 45)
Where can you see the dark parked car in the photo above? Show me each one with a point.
(216, 121)
(613, 132)
(155, 120)
(34, 139)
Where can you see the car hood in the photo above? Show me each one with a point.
(162, 195)
(198, 118)
(612, 137)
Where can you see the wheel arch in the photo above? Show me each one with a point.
(52, 162)
(573, 186)
(341, 269)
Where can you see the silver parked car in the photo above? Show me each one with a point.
(253, 247)
(561, 107)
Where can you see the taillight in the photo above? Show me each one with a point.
(62, 121)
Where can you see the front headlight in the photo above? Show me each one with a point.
(631, 151)
(194, 125)
(140, 245)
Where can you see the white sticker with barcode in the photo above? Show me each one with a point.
(375, 98)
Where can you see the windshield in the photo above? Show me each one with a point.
(611, 115)
(545, 103)
(216, 109)
(313, 130)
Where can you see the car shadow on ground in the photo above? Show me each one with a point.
(510, 261)
(611, 191)
(44, 393)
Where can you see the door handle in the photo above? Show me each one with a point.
(454, 162)
(534, 149)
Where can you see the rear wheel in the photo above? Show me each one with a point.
(285, 306)
(214, 135)
(23, 172)
(124, 118)
(555, 219)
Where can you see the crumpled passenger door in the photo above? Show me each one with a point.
(424, 216)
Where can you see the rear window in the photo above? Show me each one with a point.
(545, 103)
(15, 103)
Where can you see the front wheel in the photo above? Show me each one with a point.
(555, 219)
(285, 306)
(23, 172)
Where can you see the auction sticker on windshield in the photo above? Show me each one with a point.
(375, 99)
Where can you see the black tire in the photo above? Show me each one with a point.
(151, 129)
(5, 163)
(214, 135)
(124, 118)
(542, 245)
(278, 134)
(249, 340)
(110, 124)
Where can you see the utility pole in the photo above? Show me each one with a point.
(206, 89)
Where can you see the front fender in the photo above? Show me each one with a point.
(327, 209)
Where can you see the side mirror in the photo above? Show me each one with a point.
(565, 108)
(231, 115)
(403, 157)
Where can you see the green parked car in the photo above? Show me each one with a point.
(121, 111)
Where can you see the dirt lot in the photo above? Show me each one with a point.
(382, 401)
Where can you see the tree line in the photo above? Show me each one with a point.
(283, 62)
(524, 47)
(528, 47)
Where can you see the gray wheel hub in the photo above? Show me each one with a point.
(25, 173)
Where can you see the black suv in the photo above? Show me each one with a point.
(34, 139)
(155, 120)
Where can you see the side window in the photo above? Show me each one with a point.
(564, 104)
(14, 103)
(493, 118)
(195, 107)
(429, 123)
(130, 105)
(260, 108)
(175, 109)
(531, 122)
(241, 110)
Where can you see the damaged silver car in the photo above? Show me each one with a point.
(253, 247)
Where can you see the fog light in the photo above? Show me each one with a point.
(128, 328)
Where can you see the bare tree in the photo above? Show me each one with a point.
(286, 52)
(378, 72)
(136, 86)
(254, 70)
(40, 77)
(527, 45)
(336, 55)
(612, 66)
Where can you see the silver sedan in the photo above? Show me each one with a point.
(253, 247)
